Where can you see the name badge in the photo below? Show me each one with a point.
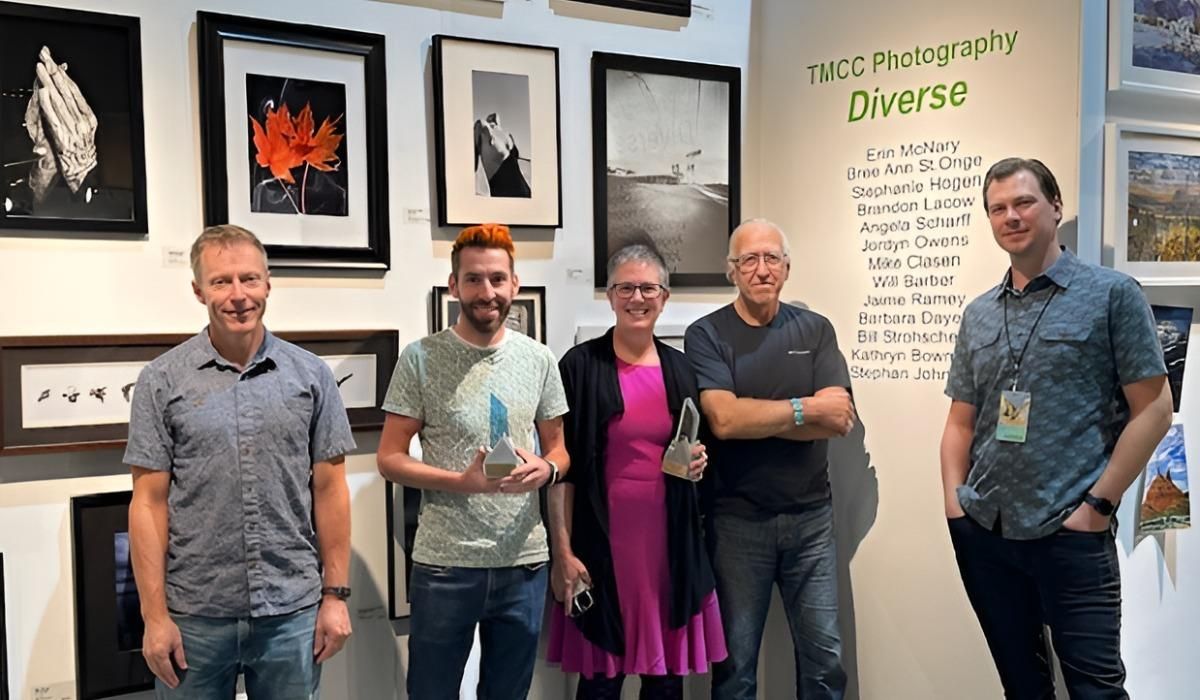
(1014, 416)
(679, 453)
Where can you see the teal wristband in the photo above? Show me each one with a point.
(797, 411)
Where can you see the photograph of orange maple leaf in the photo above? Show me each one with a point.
(297, 167)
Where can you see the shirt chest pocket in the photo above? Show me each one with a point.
(1061, 348)
(989, 357)
(796, 372)
(293, 420)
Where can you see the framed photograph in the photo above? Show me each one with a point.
(1174, 324)
(402, 506)
(1154, 47)
(72, 155)
(1166, 500)
(67, 393)
(497, 133)
(526, 315)
(1152, 196)
(666, 163)
(293, 135)
(679, 8)
(108, 618)
(3, 637)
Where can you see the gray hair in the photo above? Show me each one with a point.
(223, 235)
(752, 223)
(639, 252)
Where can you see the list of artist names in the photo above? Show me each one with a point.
(914, 203)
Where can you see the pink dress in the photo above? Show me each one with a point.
(637, 516)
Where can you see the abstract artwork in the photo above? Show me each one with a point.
(1166, 502)
(666, 163)
(1174, 325)
(497, 133)
(71, 147)
(526, 315)
(1152, 219)
(294, 139)
(108, 621)
(64, 393)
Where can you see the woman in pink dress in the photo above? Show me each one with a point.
(621, 528)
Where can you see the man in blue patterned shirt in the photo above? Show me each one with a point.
(240, 518)
(1058, 398)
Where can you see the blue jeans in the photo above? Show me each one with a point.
(1067, 581)
(274, 653)
(447, 603)
(794, 551)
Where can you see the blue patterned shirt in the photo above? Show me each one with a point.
(240, 446)
(1097, 335)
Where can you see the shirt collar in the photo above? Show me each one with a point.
(207, 356)
(1060, 273)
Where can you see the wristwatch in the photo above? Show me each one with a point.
(1103, 506)
(339, 592)
(553, 472)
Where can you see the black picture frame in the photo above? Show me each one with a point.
(3, 636)
(214, 31)
(16, 437)
(662, 208)
(103, 58)
(459, 201)
(528, 311)
(108, 656)
(679, 8)
(401, 508)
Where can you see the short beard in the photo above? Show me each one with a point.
(486, 327)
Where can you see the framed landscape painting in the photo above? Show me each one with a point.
(1152, 195)
(1174, 327)
(1154, 46)
(72, 155)
(68, 393)
(666, 163)
(497, 133)
(294, 139)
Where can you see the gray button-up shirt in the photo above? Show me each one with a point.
(240, 446)
(1097, 335)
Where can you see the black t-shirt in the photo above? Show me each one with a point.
(794, 356)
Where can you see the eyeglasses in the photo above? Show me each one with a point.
(749, 261)
(649, 290)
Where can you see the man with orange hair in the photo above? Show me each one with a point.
(480, 553)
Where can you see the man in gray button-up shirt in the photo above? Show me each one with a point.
(240, 519)
(1058, 398)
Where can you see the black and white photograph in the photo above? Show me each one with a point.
(130, 626)
(108, 632)
(496, 133)
(293, 140)
(1174, 324)
(679, 8)
(503, 149)
(297, 146)
(71, 146)
(526, 315)
(402, 506)
(666, 162)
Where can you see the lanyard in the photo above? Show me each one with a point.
(1016, 359)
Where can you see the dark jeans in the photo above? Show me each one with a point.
(275, 654)
(794, 551)
(447, 603)
(1068, 581)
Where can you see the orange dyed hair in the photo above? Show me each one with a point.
(482, 236)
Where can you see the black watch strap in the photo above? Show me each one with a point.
(339, 592)
(1103, 506)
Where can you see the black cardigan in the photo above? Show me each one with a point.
(589, 373)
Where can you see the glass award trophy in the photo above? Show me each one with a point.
(679, 453)
(503, 457)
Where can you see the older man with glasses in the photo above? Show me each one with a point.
(774, 387)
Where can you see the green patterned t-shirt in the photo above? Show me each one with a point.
(466, 396)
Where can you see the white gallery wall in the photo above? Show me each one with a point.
(910, 629)
(91, 285)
